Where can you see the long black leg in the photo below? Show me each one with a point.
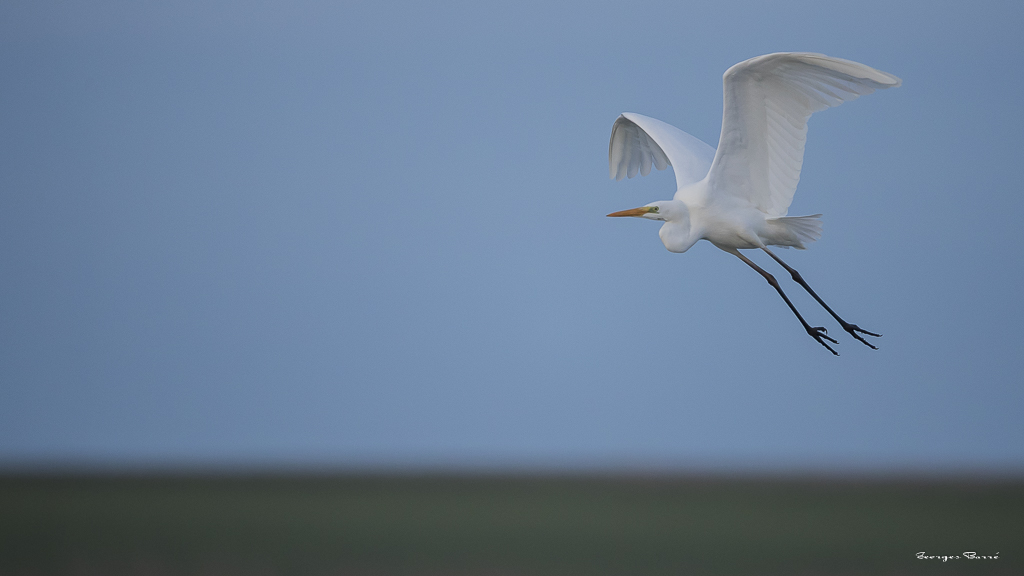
(819, 333)
(853, 329)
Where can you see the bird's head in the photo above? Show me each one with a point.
(675, 234)
(666, 211)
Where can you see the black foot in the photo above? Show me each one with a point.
(853, 329)
(820, 334)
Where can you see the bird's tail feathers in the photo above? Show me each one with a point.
(799, 230)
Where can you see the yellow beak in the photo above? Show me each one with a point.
(634, 212)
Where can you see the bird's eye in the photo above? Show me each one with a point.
(656, 209)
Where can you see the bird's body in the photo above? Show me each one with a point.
(729, 223)
(737, 196)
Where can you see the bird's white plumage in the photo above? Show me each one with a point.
(638, 141)
(768, 100)
(737, 197)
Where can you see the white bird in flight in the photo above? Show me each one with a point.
(737, 197)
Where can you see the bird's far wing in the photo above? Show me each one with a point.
(637, 141)
(768, 100)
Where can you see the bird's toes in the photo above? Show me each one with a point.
(827, 347)
(819, 332)
(866, 343)
(819, 335)
(863, 331)
(851, 328)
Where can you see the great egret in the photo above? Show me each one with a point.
(737, 197)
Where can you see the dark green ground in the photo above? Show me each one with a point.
(504, 526)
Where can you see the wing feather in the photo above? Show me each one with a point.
(637, 142)
(768, 100)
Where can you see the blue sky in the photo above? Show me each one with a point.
(312, 234)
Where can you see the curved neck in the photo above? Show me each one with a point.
(676, 234)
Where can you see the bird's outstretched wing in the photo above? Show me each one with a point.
(638, 141)
(768, 100)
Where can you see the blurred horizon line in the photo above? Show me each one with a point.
(227, 471)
